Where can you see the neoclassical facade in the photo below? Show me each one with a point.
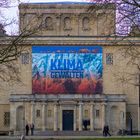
(85, 101)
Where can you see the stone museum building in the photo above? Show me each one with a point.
(72, 70)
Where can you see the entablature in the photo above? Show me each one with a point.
(67, 98)
(73, 40)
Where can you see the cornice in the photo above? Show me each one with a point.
(64, 97)
(65, 5)
(74, 40)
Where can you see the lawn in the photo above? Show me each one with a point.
(109, 138)
(106, 138)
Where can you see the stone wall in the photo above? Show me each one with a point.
(68, 19)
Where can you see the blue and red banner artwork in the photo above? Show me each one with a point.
(67, 69)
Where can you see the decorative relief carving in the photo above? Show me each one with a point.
(109, 58)
(25, 58)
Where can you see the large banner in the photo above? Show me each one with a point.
(67, 69)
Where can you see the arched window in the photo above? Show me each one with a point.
(49, 23)
(67, 23)
(85, 23)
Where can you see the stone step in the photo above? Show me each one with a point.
(67, 133)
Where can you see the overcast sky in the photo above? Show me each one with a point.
(12, 13)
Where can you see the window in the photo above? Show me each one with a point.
(25, 58)
(37, 113)
(86, 113)
(97, 113)
(85, 23)
(49, 23)
(49, 113)
(109, 58)
(6, 119)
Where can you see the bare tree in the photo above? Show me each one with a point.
(11, 48)
(4, 3)
(127, 15)
(126, 71)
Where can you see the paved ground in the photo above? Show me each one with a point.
(55, 137)
(67, 133)
(43, 135)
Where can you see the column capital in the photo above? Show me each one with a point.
(32, 102)
(103, 104)
(56, 103)
(43, 103)
(92, 103)
(80, 103)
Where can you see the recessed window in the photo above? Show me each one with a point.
(97, 113)
(67, 23)
(25, 58)
(38, 113)
(109, 58)
(7, 119)
(85, 23)
(49, 23)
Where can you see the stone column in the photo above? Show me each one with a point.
(80, 115)
(75, 109)
(91, 117)
(33, 115)
(124, 117)
(60, 116)
(13, 121)
(103, 114)
(55, 117)
(44, 116)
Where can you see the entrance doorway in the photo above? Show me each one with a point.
(68, 118)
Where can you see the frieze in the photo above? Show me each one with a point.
(74, 40)
(67, 98)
